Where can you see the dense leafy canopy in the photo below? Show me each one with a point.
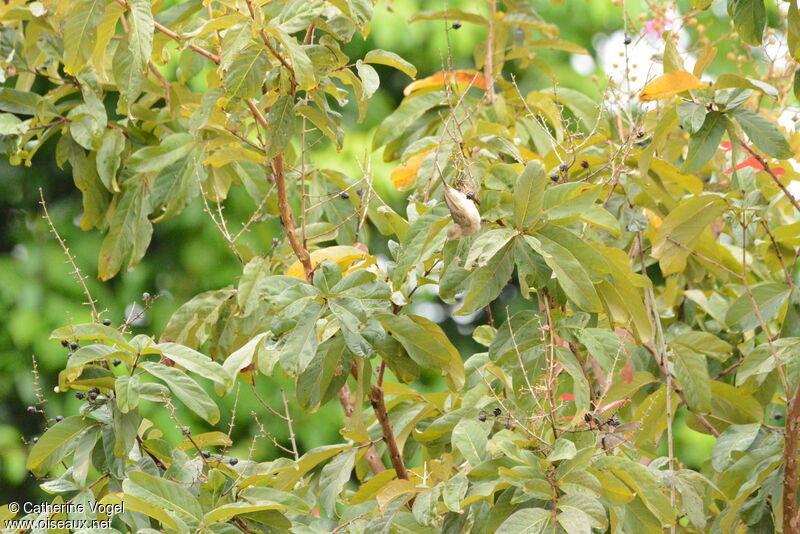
(654, 236)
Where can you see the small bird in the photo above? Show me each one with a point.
(463, 211)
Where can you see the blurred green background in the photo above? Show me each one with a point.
(187, 255)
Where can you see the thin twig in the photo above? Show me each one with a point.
(76, 272)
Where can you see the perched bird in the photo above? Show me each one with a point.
(463, 211)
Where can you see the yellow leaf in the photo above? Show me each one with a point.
(403, 176)
(342, 255)
(393, 490)
(461, 77)
(670, 84)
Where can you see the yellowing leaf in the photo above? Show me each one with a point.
(342, 255)
(670, 84)
(461, 77)
(403, 176)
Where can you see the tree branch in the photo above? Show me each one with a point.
(772, 175)
(287, 218)
(378, 404)
(791, 517)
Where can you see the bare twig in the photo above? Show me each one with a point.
(76, 272)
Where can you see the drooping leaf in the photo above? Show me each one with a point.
(670, 84)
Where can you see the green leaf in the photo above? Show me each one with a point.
(154, 158)
(704, 144)
(165, 494)
(222, 514)
(528, 195)
(563, 449)
(527, 521)
(253, 273)
(643, 482)
(350, 325)
(750, 20)
(81, 28)
(691, 116)
(763, 133)
(735, 438)
(126, 389)
(400, 120)
(454, 491)
(682, 228)
(57, 442)
(186, 389)
(469, 437)
(769, 297)
(487, 245)
(109, 157)
(140, 33)
(486, 283)
(242, 357)
(382, 57)
(301, 64)
(92, 331)
(691, 372)
(281, 120)
(571, 275)
(246, 73)
(334, 476)
(301, 343)
(427, 345)
(451, 15)
(195, 362)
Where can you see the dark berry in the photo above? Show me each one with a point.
(69, 355)
(587, 417)
(482, 417)
(186, 430)
(563, 167)
(145, 296)
(79, 395)
(206, 454)
(640, 134)
(344, 195)
(585, 164)
(778, 416)
(613, 421)
(64, 343)
(73, 346)
(116, 362)
(275, 242)
(233, 461)
(554, 177)
(92, 395)
(359, 192)
(35, 439)
(497, 411)
(456, 25)
(107, 322)
(59, 418)
(31, 409)
(628, 40)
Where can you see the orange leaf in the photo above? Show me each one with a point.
(461, 77)
(403, 176)
(670, 84)
(566, 397)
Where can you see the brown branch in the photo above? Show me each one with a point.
(791, 516)
(371, 456)
(379, 405)
(488, 67)
(287, 218)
